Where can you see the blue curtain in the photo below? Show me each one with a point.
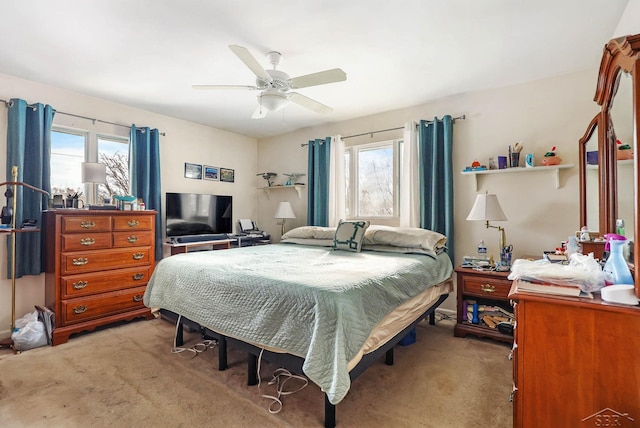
(28, 148)
(144, 167)
(318, 183)
(435, 147)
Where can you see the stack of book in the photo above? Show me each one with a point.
(564, 289)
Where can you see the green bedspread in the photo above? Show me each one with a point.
(312, 302)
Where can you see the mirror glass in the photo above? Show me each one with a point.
(591, 182)
(621, 115)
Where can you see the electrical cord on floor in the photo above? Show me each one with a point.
(195, 349)
(280, 378)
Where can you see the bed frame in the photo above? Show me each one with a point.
(291, 362)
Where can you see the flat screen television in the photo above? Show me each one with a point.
(189, 214)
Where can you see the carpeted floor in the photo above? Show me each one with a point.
(126, 376)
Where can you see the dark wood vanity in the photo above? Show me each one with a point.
(576, 359)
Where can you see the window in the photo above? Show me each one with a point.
(372, 184)
(114, 153)
(71, 147)
(67, 155)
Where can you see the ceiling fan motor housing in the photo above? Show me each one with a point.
(279, 82)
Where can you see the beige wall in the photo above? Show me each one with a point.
(184, 142)
(541, 114)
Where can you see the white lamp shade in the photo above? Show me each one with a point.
(285, 210)
(273, 101)
(94, 172)
(486, 207)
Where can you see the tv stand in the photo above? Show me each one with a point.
(185, 247)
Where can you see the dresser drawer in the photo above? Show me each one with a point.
(132, 239)
(100, 282)
(90, 261)
(486, 287)
(74, 223)
(92, 307)
(132, 222)
(86, 241)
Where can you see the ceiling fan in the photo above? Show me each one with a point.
(275, 85)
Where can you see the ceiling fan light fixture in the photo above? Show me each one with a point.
(273, 101)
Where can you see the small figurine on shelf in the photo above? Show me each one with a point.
(585, 236)
(293, 178)
(624, 151)
(550, 158)
(475, 166)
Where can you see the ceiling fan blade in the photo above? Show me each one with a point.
(250, 61)
(307, 102)
(259, 113)
(224, 87)
(319, 78)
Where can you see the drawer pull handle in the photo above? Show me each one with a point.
(87, 242)
(80, 309)
(488, 288)
(132, 239)
(80, 261)
(88, 224)
(137, 298)
(138, 256)
(80, 285)
(138, 276)
(133, 223)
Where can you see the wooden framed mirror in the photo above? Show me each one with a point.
(617, 124)
(589, 178)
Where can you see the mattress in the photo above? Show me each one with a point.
(312, 302)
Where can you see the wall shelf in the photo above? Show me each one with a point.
(555, 169)
(297, 187)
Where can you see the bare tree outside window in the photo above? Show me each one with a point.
(114, 153)
(371, 175)
(375, 182)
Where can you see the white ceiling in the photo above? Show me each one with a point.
(148, 53)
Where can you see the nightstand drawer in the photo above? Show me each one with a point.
(486, 287)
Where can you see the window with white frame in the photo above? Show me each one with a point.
(70, 147)
(372, 180)
(114, 153)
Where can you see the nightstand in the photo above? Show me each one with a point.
(488, 289)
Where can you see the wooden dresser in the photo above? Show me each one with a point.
(98, 264)
(575, 362)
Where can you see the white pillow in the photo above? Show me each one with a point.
(309, 241)
(310, 232)
(405, 237)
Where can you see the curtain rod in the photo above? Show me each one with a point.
(463, 117)
(8, 103)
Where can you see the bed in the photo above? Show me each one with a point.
(327, 311)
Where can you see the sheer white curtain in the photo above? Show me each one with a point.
(409, 180)
(337, 179)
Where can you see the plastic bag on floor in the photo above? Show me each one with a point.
(29, 332)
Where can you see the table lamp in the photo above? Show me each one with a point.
(94, 173)
(487, 208)
(284, 211)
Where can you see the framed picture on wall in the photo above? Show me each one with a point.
(227, 175)
(192, 170)
(211, 173)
